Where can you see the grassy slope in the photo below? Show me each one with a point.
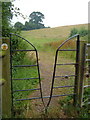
(42, 36)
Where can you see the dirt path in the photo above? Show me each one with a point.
(36, 108)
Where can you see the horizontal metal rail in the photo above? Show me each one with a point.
(45, 97)
(22, 50)
(67, 64)
(24, 65)
(26, 90)
(86, 86)
(63, 86)
(24, 78)
(67, 50)
(88, 45)
(65, 76)
(87, 60)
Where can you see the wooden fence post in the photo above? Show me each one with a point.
(82, 71)
(6, 90)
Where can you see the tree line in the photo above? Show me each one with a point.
(35, 22)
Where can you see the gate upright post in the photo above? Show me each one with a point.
(82, 72)
(77, 74)
(6, 90)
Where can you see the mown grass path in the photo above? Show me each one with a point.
(35, 107)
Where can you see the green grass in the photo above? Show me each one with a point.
(75, 112)
(48, 40)
(19, 72)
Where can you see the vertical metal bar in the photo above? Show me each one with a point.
(39, 78)
(82, 70)
(53, 78)
(89, 68)
(11, 73)
(76, 89)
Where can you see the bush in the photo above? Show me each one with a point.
(73, 32)
(18, 43)
(82, 32)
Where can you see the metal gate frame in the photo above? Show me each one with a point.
(76, 85)
(77, 71)
(11, 67)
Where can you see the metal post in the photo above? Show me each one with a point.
(76, 89)
(11, 75)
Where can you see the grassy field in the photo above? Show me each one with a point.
(42, 37)
(46, 41)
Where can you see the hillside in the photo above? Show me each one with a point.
(40, 37)
(56, 32)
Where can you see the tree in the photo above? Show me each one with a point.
(6, 18)
(8, 10)
(36, 20)
(36, 17)
(18, 26)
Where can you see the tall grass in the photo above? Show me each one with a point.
(21, 106)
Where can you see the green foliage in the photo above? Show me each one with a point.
(73, 32)
(82, 32)
(36, 17)
(8, 11)
(18, 26)
(18, 43)
(76, 112)
(6, 17)
(35, 22)
(24, 84)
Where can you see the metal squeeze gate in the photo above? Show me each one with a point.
(76, 75)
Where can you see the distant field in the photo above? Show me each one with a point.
(41, 37)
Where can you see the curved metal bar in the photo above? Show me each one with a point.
(67, 40)
(24, 39)
(77, 35)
